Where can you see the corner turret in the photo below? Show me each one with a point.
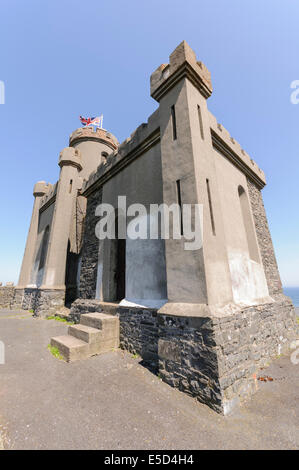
(94, 146)
(182, 63)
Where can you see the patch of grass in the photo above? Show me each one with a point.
(31, 310)
(135, 356)
(62, 320)
(55, 352)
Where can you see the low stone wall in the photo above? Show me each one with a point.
(7, 294)
(138, 327)
(216, 359)
(18, 298)
(43, 302)
(139, 333)
(188, 357)
(81, 306)
(213, 358)
(249, 340)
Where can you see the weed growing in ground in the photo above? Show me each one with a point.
(135, 356)
(55, 352)
(62, 320)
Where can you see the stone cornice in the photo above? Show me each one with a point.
(70, 162)
(47, 204)
(184, 71)
(225, 150)
(93, 139)
(104, 173)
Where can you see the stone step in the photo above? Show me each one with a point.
(71, 348)
(97, 333)
(85, 333)
(104, 345)
(109, 324)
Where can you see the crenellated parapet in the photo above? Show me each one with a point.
(40, 189)
(49, 197)
(98, 135)
(182, 63)
(227, 145)
(145, 136)
(70, 156)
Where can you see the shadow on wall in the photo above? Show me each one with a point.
(139, 334)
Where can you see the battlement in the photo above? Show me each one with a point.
(182, 63)
(70, 156)
(99, 135)
(49, 195)
(139, 140)
(40, 188)
(242, 159)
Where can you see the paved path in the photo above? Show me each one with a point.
(112, 402)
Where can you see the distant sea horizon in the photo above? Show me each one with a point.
(293, 293)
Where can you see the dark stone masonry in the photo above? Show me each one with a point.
(90, 251)
(7, 294)
(43, 302)
(264, 239)
(138, 327)
(213, 359)
(250, 339)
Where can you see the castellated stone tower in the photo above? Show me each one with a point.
(206, 318)
(48, 277)
(94, 147)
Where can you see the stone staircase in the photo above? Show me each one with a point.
(95, 334)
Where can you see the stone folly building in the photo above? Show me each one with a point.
(204, 319)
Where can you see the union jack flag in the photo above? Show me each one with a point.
(88, 121)
(92, 121)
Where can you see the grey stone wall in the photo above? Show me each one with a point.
(90, 249)
(29, 299)
(81, 306)
(188, 357)
(264, 239)
(18, 298)
(139, 333)
(138, 327)
(6, 296)
(43, 302)
(249, 340)
(213, 359)
(216, 359)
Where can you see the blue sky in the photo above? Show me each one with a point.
(60, 59)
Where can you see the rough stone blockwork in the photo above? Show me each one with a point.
(248, 340)
(89, 263)
(44, 303)
(188, 357)
(6, 296)
(139, 333)
(18, 299)
(264, 240)
(213, 359)
(138, 327)
(81, 306)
